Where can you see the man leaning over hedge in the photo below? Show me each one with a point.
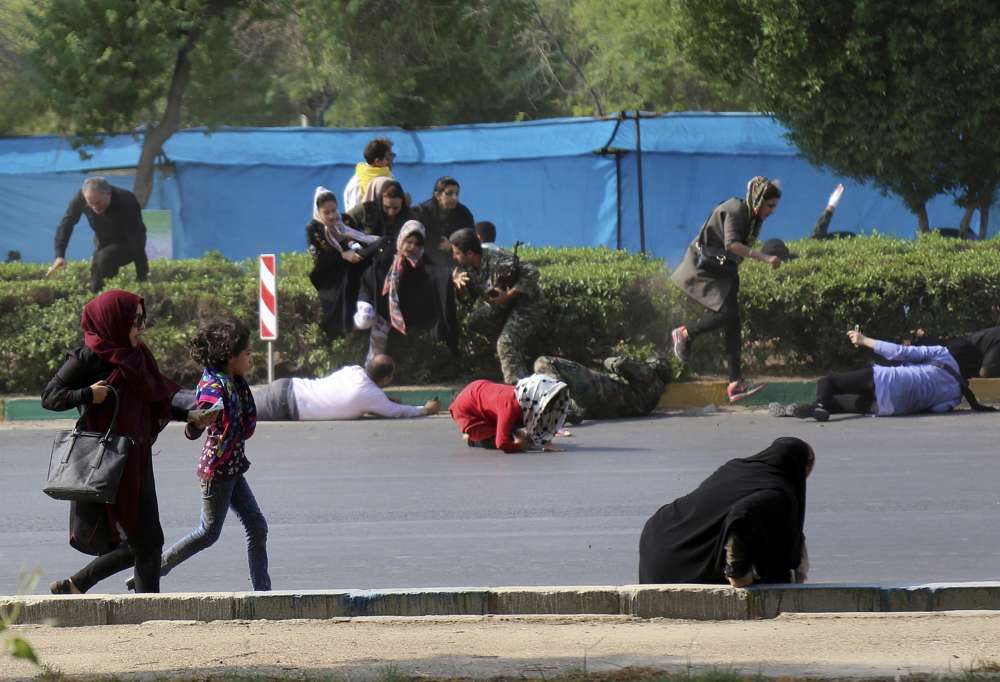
(119, 232)
(510, 297)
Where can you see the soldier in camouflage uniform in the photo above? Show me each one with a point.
(511, 302)
(628, 388)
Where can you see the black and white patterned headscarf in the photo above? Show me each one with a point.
(544, 402)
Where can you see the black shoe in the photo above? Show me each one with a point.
(807, 410)
(574, 418)
(130, 584)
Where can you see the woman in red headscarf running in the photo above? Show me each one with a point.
(126, 533)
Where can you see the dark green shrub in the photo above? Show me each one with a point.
(600, 302)
(798, 315)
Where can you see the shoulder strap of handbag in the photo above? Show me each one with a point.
(114, 415)
(967, 393)
(701, 243)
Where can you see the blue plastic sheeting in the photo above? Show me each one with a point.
(32, 205)
(527, 198)
(449, 145)
(734, 134)
(682, 189)
(52, 154)
(248, 191)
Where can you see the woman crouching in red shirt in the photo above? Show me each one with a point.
(516, 418)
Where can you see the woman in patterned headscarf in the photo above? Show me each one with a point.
(709, 273)
(407, 294)
(526, 416)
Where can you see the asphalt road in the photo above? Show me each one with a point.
(379, 503)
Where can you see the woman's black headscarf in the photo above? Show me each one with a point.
(763, 498)
(377, 222)
(968, 359)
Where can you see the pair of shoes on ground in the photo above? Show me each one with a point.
(799, 411)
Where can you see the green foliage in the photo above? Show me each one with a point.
(108, 67)
(23, 111)
(18, 647)
(875, 90)
(600, 301)
(797, 316)
(92, 68)
(395, 62)
(629, 54)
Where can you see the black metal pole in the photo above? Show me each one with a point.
(618, 198)
(638, 170)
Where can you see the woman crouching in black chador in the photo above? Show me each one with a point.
(742, 525)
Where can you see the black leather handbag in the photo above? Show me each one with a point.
(714, 262)
(87, 466)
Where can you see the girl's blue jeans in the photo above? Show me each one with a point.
(217, 497)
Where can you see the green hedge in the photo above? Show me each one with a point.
(600, 301)
(797, 316)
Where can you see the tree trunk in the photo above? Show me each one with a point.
(317, 105)
(923, 224)
(965, 225)
(984, 215)
(154, 138)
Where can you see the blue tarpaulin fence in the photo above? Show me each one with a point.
(562, 182)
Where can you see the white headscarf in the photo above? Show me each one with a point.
(338, 231)
(544, 402)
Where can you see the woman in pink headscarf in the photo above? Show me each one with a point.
(126, 533)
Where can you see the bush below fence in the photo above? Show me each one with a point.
(600, 302)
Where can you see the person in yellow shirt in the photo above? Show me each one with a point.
(377, 163)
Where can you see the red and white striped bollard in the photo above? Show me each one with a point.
(268, 300)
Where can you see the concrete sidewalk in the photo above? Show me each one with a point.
(832, 646)
(691, 602)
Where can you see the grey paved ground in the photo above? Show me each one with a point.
(398, 504)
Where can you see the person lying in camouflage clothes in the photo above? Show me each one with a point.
(628, 388)
(510, 302)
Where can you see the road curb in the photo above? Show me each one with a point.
(689, 602)
(698, 394)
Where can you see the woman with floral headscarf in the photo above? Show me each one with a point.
(526, 416)
(340, 256)
(407, 294)
(126, 533)
(709, 274)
